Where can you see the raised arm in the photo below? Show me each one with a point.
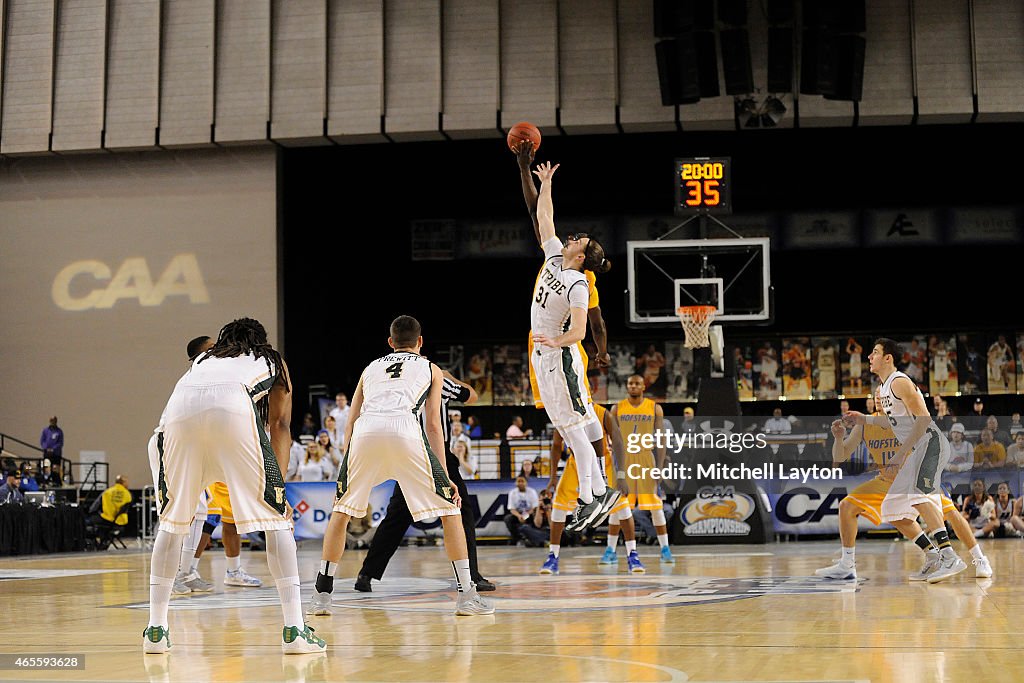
(545, 205)
(843, 445)
(471, 397)
(524, 157)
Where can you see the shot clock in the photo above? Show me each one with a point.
(703, 186)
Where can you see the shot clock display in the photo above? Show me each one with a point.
(703, 186)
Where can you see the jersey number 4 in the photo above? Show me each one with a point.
(395, 370)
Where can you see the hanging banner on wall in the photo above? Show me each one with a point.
(899, 227)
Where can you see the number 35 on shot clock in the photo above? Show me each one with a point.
(703, 186)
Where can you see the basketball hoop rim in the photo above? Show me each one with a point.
(697, 313)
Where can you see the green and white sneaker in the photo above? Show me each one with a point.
(155, 640)
(296, 642)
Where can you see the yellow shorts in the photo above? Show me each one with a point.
(868, 498)
(645, 501)
(220, 502)
(533, 376)
(569, 488)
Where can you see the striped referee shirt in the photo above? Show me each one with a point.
(450, 391)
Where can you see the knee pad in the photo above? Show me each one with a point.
(658, 517)
(594, 432)
(623, 514)
(558, 515)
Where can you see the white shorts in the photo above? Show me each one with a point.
(385, 448)
(561, 380)
(918, 481)
(154, 465)
(212, 433)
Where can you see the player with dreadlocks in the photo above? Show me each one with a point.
(215, 429)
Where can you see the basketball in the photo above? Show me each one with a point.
(523, 130)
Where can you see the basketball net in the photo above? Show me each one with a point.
(696, 321)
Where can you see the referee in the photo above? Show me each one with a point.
(397, 519)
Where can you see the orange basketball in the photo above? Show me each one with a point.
(524, 130)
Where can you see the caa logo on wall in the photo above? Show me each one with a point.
(80, 286)
(717, 511)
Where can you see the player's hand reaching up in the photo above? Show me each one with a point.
(545, 170)
(524, 153)
(838, 429)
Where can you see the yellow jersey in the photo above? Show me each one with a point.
(881, 445)
(113, 498)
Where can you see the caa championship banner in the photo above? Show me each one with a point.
(813, 507)
(313, 502)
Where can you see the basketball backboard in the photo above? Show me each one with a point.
(734, 275)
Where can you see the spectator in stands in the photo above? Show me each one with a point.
(308, 426)
(459, 434)
(1015, 424)
(468, 463)
(334, 434)
(526, 470)
(977, 419)
(295, 456)
(455, 417)
(113, 501)
(28, 479)
(689, 424)
(474, 430)
(978, 507)
(340, 412)
(323, 439)
(515, 430)
(1000, 435)
(47, 478)
(1015, 453)
(522, 503)
(1003, 522)
(316, 465)
(943, 417)
(961, 451)
(537, 529)
(52, 443)
(9, 465)
(989, 453)
(777, 424)
(9, 492)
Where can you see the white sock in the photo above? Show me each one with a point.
(328, 568)
(613, 540)
(554, 549)
(630, 546)
(462, 578)
(193, 566)
(597, 477)
(978, 533)
(291, 603)
(584, 456)
(159, 598)
(162, 568)
(234, 563)
(848, 556)
(284, 567)
(976, 553)
(663, 540)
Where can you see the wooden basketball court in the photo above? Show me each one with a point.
(732, 613)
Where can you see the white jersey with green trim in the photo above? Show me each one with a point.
(900, 418)
(396, 385)
(557, 291)
(257, 374)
